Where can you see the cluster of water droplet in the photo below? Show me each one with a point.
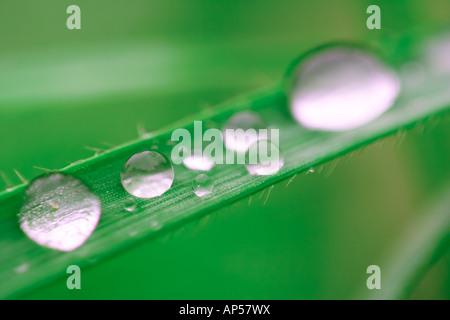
(337, 88)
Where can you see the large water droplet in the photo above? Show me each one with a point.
(203, 185)
(263, 158)
(147, 175)
(341, 88)
(59, 212)
(436, 52)
(22, 268)
(241, 130)
(198, 162)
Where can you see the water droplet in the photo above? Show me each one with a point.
(310, 170)
(130, 204)
(59, 212)
(199, 163)
(147, 175)
(248, 121)
(263, 158)
(22, 268)
(203, 185)
(341, 88)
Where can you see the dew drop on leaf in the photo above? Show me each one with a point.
(59, 212)
(202, 185)
(263, 158)
(147, 175)
(341, 88)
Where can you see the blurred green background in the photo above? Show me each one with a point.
(154, 62)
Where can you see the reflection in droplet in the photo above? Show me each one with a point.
(59, 212)
(263, 158)
(203, 185)
(341, 88)
(198, 163)
(129, 204)
(241, 130)
(147, 175)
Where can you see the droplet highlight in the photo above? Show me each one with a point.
(202, 185)
(147, 175)
(198, 162)
(341, 88)
(155, 225)
(59, 212)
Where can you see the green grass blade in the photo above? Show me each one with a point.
(118, 229)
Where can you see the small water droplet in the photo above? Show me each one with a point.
(130, 204)
(263, 158)
(59, 212)
(132, 233)
(341, 88)
(198, 163)
(53, 206)
(202, 185)
(155, 225)
(155, 144)
(147, 175)
(248, 121)
(210, 124)
(412, 74)
(22, 268)
(311, 170)
(204, 221)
